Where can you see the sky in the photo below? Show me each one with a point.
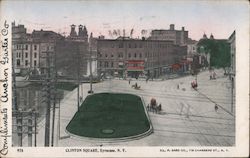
(220, 18)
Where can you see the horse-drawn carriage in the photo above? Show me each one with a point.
(135, 86)
(153, 106)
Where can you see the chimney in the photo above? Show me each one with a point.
(80, 32)
(171, 26)
(73, 31)
(183, 28)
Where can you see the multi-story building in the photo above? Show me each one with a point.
(27, 48)
(30, 51)
(179, 37)
(133, 57)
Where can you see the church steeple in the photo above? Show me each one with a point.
(204, 36)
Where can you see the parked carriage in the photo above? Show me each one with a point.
(153, 106)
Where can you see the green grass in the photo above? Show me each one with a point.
(122, 113)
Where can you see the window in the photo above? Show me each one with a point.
(106, 55)
(26, 62)
(135, 55)
(129, 45)
(112, 64)
(34, 62)
(121, 45)
(26, 55)
(35, 55)
(129, 55)
(112, 55)
(18, 62)
(140, 45)
(140, 55)
(26, 47)
(35, 47)
(106, 64)
(100, 64)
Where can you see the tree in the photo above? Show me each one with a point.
(219, 51)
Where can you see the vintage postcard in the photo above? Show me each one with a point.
(123, 78)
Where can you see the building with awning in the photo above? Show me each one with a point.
(135, 68)
(134, 57)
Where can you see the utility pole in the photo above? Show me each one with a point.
(35, 128)
(54, 97)
(78, 77)
(47, 121)
(30, 128)
(90, 67)
(48, 87)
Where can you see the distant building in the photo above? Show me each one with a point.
(125, 56)
(179, 37)
(191, 47)
(81, 36)
(29, 50)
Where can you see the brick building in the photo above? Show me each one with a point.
(134, 57)
(179, 37)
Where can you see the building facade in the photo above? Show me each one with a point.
(30, 51)
(135, 57)
(179, 37)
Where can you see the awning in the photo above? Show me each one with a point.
(135, 68)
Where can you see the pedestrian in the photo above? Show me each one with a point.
(129, 81)
(216, 107)
(178, 87)
(159, 107)
(214, 75)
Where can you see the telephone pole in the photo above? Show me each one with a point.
(54, 97)
(90, 68)
(48, 90)
(78, 77)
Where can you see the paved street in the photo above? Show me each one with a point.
(188, 117)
